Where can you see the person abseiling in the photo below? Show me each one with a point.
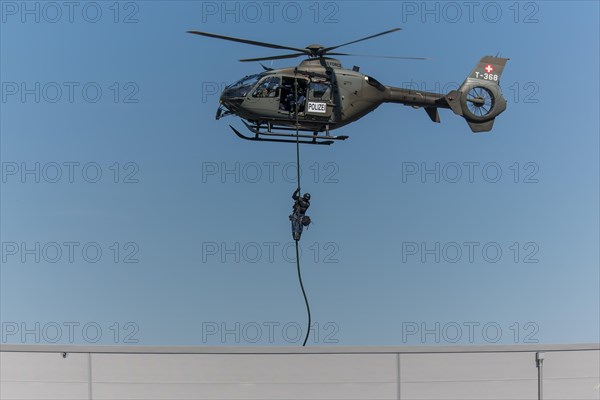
(298, 217)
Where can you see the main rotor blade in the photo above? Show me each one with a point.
(274, 57)
(325, 50)
(377, 56)
(252, 42)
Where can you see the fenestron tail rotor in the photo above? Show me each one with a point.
(311, 51)
(480, 101)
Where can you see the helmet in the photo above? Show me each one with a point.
(306, 196)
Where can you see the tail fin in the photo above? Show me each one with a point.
(479, 99)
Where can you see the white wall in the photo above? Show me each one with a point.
(27, 372)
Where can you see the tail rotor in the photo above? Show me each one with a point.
(479, 99)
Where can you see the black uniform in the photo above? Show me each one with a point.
(299, 220)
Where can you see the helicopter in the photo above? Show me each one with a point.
(319, 95)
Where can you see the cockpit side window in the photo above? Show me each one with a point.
(269, 87)
(320, 91)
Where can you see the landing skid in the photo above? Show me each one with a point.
(280, 137)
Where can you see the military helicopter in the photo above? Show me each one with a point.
(319, 95)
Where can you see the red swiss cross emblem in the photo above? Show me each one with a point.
(489, 68)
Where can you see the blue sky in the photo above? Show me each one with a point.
(129, 215)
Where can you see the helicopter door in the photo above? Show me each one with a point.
(320, 101)
(287, 99)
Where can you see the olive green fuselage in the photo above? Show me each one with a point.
(327, 96)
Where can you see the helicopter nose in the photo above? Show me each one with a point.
(230, 102)
(225, 99)
(226, 96)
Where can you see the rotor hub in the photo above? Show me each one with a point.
(315, 49)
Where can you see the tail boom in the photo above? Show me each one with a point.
(478, 100)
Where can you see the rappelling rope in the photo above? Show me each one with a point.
(297, 134)
(300, 194)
